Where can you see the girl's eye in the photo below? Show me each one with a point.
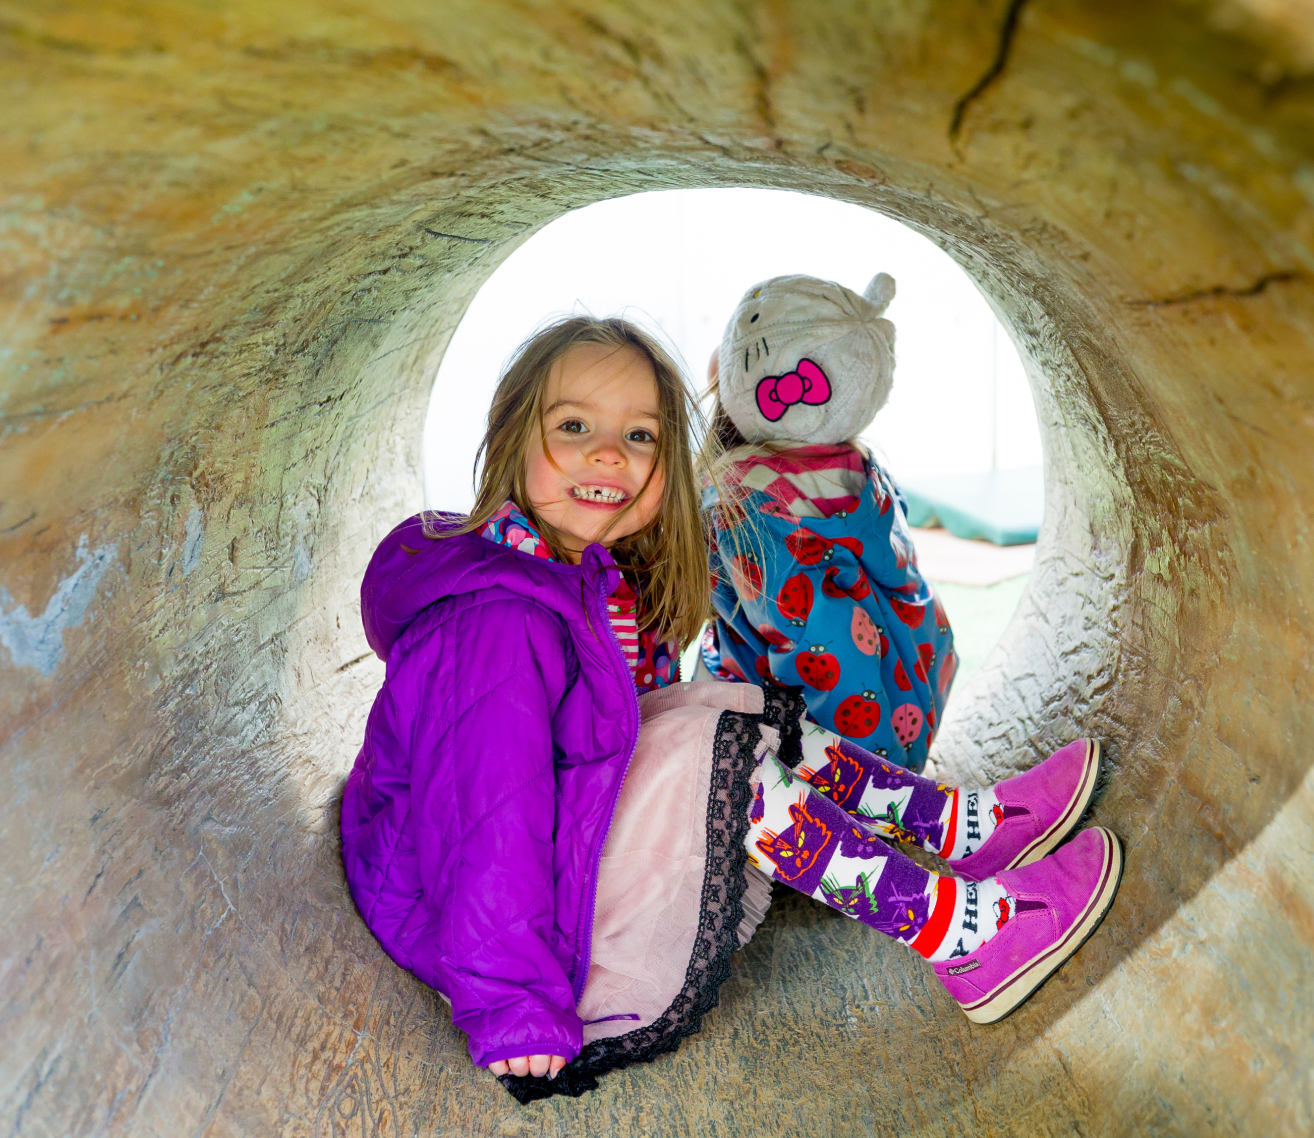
(639, 435)
(572, 427)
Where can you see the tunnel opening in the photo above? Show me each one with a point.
(676, 261)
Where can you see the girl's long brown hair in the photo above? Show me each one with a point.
(667, 559)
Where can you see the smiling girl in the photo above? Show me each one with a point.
(562, 861)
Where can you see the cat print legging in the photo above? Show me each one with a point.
(824, 830)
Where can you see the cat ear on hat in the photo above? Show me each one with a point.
(880, 291)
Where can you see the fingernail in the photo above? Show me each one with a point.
(553, 1074)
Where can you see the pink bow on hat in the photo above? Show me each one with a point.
(776, 394)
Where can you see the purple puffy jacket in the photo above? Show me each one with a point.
(474, 818)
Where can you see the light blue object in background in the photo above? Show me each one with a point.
(1004, 507)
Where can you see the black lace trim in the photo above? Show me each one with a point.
(717, 939)
(783, 708)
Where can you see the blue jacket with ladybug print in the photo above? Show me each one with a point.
(815, 583)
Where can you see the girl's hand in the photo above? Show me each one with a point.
(537, 1065)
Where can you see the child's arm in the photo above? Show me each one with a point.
(483, 787)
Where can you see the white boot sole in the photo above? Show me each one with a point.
(1022, 983)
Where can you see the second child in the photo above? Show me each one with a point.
(816, 575)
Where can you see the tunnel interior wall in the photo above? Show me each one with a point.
(236, 241)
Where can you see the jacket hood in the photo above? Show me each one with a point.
(410, 571)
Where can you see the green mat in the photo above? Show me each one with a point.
(1004, 507)
(978, 615)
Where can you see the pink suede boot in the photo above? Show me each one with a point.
(1050, 908)
(1036, 810)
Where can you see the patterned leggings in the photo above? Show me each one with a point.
(823, 828)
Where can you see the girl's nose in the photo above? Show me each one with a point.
(606, 452)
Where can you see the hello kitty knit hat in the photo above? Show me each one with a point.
(807, 360)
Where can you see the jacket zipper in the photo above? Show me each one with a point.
(584, 952)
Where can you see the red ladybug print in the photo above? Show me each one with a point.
(729, 514)
(809, 548)
(774, 509)
(777, 639)
(734, 636)
(941, 617)
(947, 670)
(911, 615)
(865, 632)
(762, 666)
(907, 722)
(746, 574)
(859, 590)
(731, 665)
(795, 599)
(925, 661)
(858, 716)
(818, 668)
(901, 676)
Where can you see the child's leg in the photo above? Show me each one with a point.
(1004, 826)
(803, 838)
(905, 806)
(943, 820)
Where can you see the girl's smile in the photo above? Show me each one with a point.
(596, 476)
(598, 495)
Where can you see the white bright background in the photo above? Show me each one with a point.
(677, 261)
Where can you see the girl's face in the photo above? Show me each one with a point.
(600, 422)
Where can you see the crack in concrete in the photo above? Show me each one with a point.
(456, 237)
(1007, 32)
(353, 663)
(1284, 276)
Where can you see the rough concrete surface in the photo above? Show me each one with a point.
(235, 238)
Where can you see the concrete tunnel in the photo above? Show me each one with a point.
(236, 239)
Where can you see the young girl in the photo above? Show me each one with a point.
(817, 580)
(571, 864)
